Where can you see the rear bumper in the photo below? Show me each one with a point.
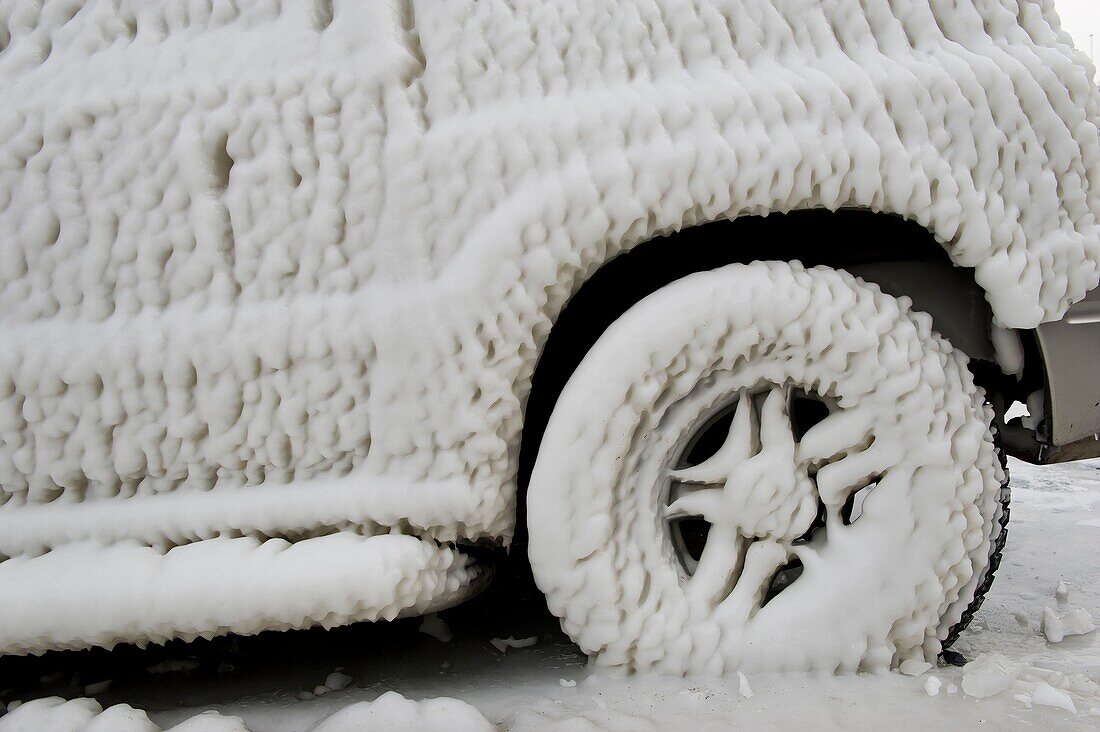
(1071, 357)
(1083, 449)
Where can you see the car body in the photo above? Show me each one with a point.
(275, 279)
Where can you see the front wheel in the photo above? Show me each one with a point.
(765, 467)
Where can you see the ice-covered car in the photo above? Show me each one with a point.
(300, 299)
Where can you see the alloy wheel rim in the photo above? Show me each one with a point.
(738, 500)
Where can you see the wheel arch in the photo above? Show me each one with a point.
(899, 255)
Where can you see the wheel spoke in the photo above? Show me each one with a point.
(741, 443)
(838, 480)
(718, 568)
(678, 489)
(704, 502)
(775, 423)
(762, 560)
(841, 432)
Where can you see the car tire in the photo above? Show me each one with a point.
(766, 468)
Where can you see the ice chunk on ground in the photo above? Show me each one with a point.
(988, 675)
(392, 712)
(743, 685)
(567, 683)
(913, 667)
(503, 644)
(1078, 683)
(1074, 620)
(337, 681)
(932, 686)
(1046, 695)
(434, 626)
(1061, 593)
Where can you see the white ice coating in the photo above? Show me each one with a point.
(390, 712)
(205, 588)
(909, 424)
(54, 714)
(289, 264)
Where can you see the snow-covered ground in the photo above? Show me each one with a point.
(270, 680)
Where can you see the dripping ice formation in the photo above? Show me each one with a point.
(272, 271)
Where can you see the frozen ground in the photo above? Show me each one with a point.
(1055, 536)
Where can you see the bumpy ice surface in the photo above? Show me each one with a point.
(138, 594)
(277, 270)
(390, 712)
(87, 715)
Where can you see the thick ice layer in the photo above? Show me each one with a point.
(129, 592)
(273, 243)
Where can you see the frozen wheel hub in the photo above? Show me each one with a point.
(739, 488)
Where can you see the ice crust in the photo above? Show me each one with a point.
(54, 714)
(206, 588)
(281, 269)
(390, 712)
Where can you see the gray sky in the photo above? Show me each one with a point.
(1080, 18)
